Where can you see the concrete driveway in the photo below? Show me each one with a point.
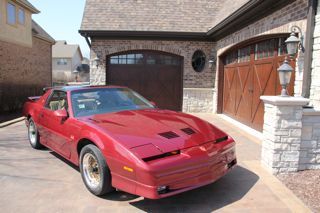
(41, 181)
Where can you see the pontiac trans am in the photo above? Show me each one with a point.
(121, 141)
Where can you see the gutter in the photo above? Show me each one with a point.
(306, 80)
(146, 35)
(85, 35)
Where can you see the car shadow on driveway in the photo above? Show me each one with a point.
(64, 160)
(227, 190)
(223, 192)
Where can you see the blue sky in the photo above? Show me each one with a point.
(62, 20)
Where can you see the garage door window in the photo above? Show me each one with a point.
(144, 59)
(232, 58)
(265, 49)
(244, 54)
(127, 59)
(282, 50)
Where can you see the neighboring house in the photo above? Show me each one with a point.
(67, 63)
(25, 54)
(161, 48)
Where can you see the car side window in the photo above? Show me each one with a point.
(57, 101)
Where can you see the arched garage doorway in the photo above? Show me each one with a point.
(250, 71)
(154, 74)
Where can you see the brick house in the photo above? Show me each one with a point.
(25, 54)
(162, 50)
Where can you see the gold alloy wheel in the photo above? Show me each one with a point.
(91, 170)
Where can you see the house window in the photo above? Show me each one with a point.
(198, 60)
(62, 61)
(11, 14)
(21, 16)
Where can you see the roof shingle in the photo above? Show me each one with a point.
(156, 15)
(63, 50)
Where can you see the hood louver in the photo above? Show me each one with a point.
(188, 131)
(169, 135)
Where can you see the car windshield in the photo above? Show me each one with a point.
(104, 100)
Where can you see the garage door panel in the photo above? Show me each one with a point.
(229, 97)
(155, 75)
(249, 73)
(243, 92)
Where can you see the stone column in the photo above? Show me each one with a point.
(282, 133)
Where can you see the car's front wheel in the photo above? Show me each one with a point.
(33, 135)
(94, 170)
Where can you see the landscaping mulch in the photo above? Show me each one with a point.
(305, 185)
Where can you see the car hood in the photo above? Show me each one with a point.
(165, 130)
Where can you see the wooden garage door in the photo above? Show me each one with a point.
(155, 75)
(249, 73)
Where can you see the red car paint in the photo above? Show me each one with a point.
(127, 137)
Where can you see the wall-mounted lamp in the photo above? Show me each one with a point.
(293, 42)
(211, 61)
(96, 62)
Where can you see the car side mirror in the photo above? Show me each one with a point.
(61, 113)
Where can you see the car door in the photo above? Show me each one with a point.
(56, 129)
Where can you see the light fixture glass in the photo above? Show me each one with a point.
(96, 61)
(211, 62)
(285, 71)
(292, 44)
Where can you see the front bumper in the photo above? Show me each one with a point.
(192, 169)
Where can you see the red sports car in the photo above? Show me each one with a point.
(121, 140)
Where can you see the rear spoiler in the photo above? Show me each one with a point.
(34, 98)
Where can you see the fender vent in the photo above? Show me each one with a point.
(188, 131)
(169, 135)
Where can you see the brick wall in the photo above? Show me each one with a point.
(191, 79)
(276, 23)
(310, 144)
(24, 72)
(315, 68)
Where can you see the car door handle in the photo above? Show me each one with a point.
(41, 115)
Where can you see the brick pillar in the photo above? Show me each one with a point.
(282, 133)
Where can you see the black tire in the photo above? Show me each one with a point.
(33, 135)
(104, 185)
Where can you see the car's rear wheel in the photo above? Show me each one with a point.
(94, 170)
(33, 135)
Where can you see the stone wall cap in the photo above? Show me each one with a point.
(285, 101)
(311, 111)
(203, 89)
